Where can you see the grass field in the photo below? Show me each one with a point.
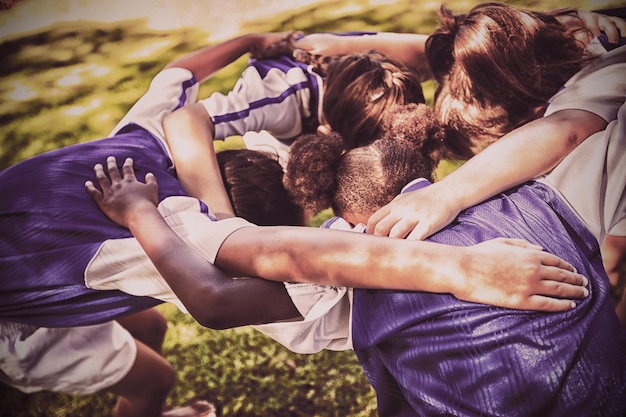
(71, 83)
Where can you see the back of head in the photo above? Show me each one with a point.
(254, 183)
(361, 180)
(360, 89)
(497, 66)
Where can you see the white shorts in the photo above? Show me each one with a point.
(75, 360)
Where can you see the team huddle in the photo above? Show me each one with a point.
(500, 303)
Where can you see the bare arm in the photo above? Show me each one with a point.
(212, 298)
(542, 282)
(189, 131)
(363, 261)
(408, 49)
(543, 143)
(207, 61)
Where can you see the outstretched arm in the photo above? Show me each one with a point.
(189, 131)
(408, 49)
(205, 62)
(543, 281)
(543, 143)
(212, 298)
(363, 261)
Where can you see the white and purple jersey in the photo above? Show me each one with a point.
(281, 96)
(51, 228)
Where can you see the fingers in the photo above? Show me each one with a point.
(101, 177)
(521, 243)
(114, 172)
(382, 227)
(105, 181)
(613, 27)
(420, 232)
(611, 32)
(621, 26)
(548, 259)
(552, 305)
(571, 291)
(150, 179)
(595, 27)
(557, 296)
(93, 191)
(127, 169)
(373, 223)
(562, 271)
(324, 129)
(401, 229)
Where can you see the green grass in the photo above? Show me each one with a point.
(71, 83)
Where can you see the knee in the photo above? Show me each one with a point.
(157, 326)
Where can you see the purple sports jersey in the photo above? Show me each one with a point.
(50, 228)
(433, 355)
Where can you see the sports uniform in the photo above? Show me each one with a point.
(48, 239)
(431, 354)
(428, 354)
(281, 96)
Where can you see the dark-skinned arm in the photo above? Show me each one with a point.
(212, 298)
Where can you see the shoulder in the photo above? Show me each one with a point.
(598, 88)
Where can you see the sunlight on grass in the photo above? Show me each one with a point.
(79, 110)
(349, 8)
(76, 75)
(150, 49)
(21, 92)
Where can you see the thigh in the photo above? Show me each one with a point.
(148, 326)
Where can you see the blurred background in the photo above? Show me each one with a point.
(70, 69)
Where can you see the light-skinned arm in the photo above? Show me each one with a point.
(544, 142)
(189, 131)
(408, 49)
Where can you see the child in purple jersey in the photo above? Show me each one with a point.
(428, 354)
(55, 332)
(585, 104)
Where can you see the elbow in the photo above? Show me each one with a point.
(180, 117)
(209, 309)
(211, 320)
(186, 120)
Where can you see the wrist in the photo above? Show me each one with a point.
(139, 213)
(451, 197)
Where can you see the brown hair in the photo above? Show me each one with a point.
(497, 66)
(321, 175)
(254, 183)
(360, 88)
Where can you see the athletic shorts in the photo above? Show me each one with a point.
(72, 360)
